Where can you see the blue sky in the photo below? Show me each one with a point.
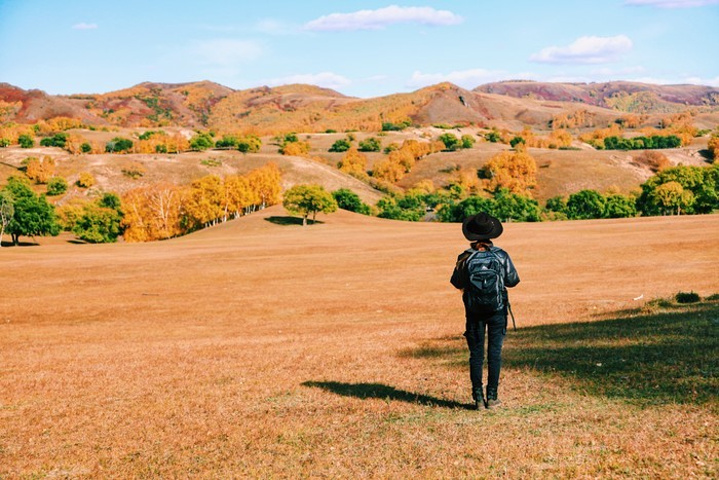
(360, 48)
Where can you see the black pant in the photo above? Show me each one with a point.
(495, 323)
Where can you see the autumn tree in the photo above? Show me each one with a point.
(671, 198)
(238, 196)
(652, 159)
(266, 183)
(153, 213)
(354, 163)
(515, 171)
(85, 180)
(40, 171)
(204, 205)
(713, 146)
(309, 199)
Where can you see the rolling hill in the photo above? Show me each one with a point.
(306, 108)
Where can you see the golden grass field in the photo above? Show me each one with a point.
(262, 349)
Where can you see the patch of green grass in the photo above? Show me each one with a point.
(669, 356)
(665, 353)
(211, 162)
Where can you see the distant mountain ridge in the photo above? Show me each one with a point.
(619, 95)
(309, 108)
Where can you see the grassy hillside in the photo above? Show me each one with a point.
(260, 348)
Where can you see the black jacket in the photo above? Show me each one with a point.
(460, 278)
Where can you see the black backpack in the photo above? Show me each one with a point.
(485, 284)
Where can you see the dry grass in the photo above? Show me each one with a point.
(263, 349)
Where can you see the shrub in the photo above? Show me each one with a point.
(85, 180)
(201, 142)
(118, 145)
(687, 297)
(25, 141)
(57, 140)
(451, 142)
(370, 144)
(86, 148)
(493, 136)
(56, 186)
(348, 200)
(341, 145)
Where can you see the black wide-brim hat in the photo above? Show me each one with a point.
(481, 226)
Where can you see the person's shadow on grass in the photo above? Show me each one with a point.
(385, 392)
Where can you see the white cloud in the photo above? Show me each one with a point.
(463, 78)
(225, 52)
(586, 50)
(672, 3)
(383, 17)
(85, 26)
(323, 79)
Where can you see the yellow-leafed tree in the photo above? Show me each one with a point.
(515, 171)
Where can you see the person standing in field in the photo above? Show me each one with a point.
(483, 272)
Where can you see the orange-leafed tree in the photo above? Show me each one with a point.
(238, 196)
(388, 170)
(354, 163)
(40, 171)
(204, 205)
(713, 146)
(153, 213)
(515, 171)
(266, 183)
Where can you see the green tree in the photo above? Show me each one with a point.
(309, 199)
(86, 148)
(510, 206)
(98, 223)
(25, 141)
(370, 144)
(585, 204)
(32, 215)
(516, 141)
(341, 145)
(348, 200)
(619, 206)
(556, 204)
(451, 142)
(249, 144)
(201, 142)
(493, 136)
(701, 182)
(56, 186)
(118, 144)
(469, 206)
(467, 141)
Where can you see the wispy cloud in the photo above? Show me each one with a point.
(85, 26)
(586, 50)
(225, 52)
(323, 79)
(463, 78)
(672, 3)
(383, 17)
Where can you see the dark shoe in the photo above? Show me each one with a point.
(493, 403)
(479, 400)
(492, 400)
